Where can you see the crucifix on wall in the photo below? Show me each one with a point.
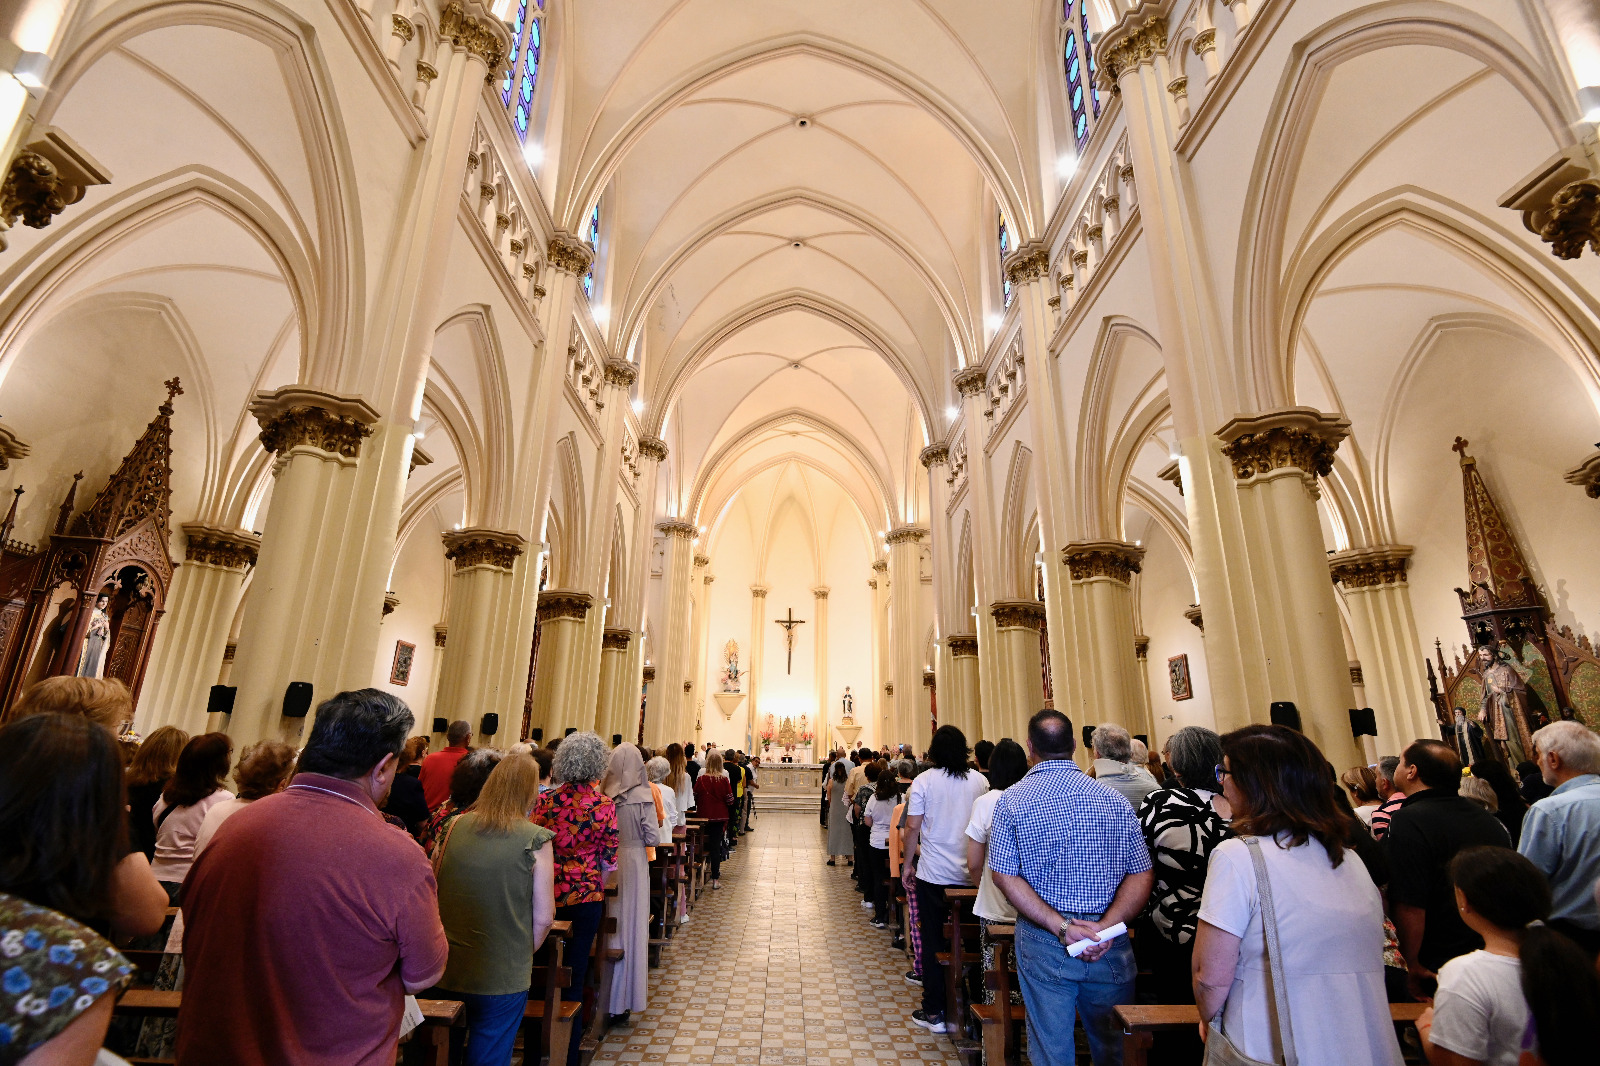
(788, 625)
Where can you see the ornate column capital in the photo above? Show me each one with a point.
(472, 28)
(1138, 37)
(390, 602)
(759, 591)
(621, 373)
(231, 549)
(702, 561)
(1017, 614)
(1141, 647)
(929, 679)
(615, 639)
(970, 380)
(1172, 472)
(1194, 617)
(934, 454)
(674, 528)
(440, 634)
(1560, 201)
(477, 546)
(649, 674)
(1585, 476)
(46, 177)
(1360, 568)
(569, 255)
(564, 603)
(296, 415)
(1030, 262)
(962, 645)
(905, 534)
(1299, 438)
(653, 448)
(709, 578)
(821, 592)
(881, 566)
(1114, 559)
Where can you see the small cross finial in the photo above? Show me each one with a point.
(174, 388)
(1461, 446)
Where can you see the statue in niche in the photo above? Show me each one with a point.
(92, 660)
(1504, 712)
(730, 669)
(1467, 738)
(848, 716)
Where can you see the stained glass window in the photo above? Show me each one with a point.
(1005, 250)
(593, 237)
(516, 88)
(1079, 69)
(517, 26)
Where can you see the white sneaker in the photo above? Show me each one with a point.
(867, 904)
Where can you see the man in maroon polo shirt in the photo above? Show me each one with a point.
(437, 768)
(308, 917)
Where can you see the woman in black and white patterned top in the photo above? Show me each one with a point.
(1182, 824)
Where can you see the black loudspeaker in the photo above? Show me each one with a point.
(490, 725)
(1363, 722)
(537, 735)
(616, 738)
(1142, 738)
(571, 729)
(1088, 731)
(1286, 714)
(441, 725)
(297, 699)
(221, 699)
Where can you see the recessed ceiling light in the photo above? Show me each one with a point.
(794, 366)
(798, 244)
(802, 122)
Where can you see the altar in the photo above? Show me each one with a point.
(784, 778)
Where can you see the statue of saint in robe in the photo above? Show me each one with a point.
(849, 701)
(1467, 737)
(92, 659)
(1504, 712)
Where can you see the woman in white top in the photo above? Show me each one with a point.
(263, 769)
(1480, 1013)
(656, 770)
(680, 781)
(1008, 764)
(195, 788)
(1329, 914)
(877, 816)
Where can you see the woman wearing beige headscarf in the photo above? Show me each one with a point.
(629, 789)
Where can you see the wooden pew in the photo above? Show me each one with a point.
(549, 979)
(1140, 1021)
(961, 933)
(1001, 1020)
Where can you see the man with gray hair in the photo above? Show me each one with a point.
(1392, 796)
(1561, 833)
(1114, 766)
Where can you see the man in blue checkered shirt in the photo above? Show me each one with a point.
(1069, 855)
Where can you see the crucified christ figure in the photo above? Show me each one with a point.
(788, 625)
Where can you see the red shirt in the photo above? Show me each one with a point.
(435, 775)
(712, 797)
(584, 821)
(302, 918)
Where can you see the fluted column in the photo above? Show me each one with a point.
(1108, 675)
(880, 710)
(758, 647)
(949, 599)
(613, 661)
(907, 624)
(190, 645)
(958, 698)
(988, 582)
(628, 604)
(666, 721)
(562, 613)
(1016, 632)
(700, 582)
(1385, 632)
(481, 670)
(819, 607)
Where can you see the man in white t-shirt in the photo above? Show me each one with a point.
(938, 809)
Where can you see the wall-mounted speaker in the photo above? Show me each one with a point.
(616, 738)
(1088, 731)
(297, 699)
(1363, 722)
(221, 699)
(441, 725)
(537, 736)
(571, 729)
(1286, 713)
(490, 725)
(1142, 738)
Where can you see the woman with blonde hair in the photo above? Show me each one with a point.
(103, 700)
(496, 875)
(148, 774)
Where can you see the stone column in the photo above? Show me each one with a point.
(882, 687)
(628, 605)
(700, 581)
(819, 605)
(758, 647)
(190, 646)
(1385, 632)
(907, 624)
(666, 720)
(1141, 652)
(1108, 686)
(1016, 631)
(613, 660)
(562, 612)
(1277, 459)
(958, 699)
(987, 581)
(479, 672)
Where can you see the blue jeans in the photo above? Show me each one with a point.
(492, 1023)
(1056, 988)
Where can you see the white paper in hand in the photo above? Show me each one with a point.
(1078, 947)
(411, 1017)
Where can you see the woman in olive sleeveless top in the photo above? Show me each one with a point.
(497, 901)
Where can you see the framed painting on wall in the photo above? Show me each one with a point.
(1178, 675)
(400, 672)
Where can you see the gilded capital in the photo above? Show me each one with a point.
(294, 416)
(570, 255)
(1205, 41)
(821, 592)
(1195, 618)
(1114, 559)
(615, 639)
(759, 591)
(467, 548)
(1141, 647)
(1299, 438)
(674, 528)
(1362, 568)
(649, 674)
(390, 603)
(440, 634)
(934, 454)
(653, 448)
(881, 566)
(702, 561)
(1028, 263)
(45, 178)
(962, 645)
(905, 535)
(472, 28)
(621, 373)
(564, 603)
(1132, 41)
(231, 549)
(929, 679)
(1017, 614)
(970, 380)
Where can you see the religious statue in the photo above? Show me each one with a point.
(92, 660)
(849, 701)
(786, 735)
(730, 671)
(1467, 737)
(1505, 704)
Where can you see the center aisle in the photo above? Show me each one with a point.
(780, 966)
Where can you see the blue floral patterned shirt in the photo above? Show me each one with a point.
(52, 969)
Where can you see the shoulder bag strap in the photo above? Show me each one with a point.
(1269, 930)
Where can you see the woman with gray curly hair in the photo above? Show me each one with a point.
(584, 821)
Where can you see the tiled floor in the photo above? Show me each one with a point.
(779, 967)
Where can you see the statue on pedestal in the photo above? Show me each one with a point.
(849, 714)
(1504, 712)
(730, 670)
(92, 660)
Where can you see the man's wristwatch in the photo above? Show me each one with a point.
(1062, 932)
